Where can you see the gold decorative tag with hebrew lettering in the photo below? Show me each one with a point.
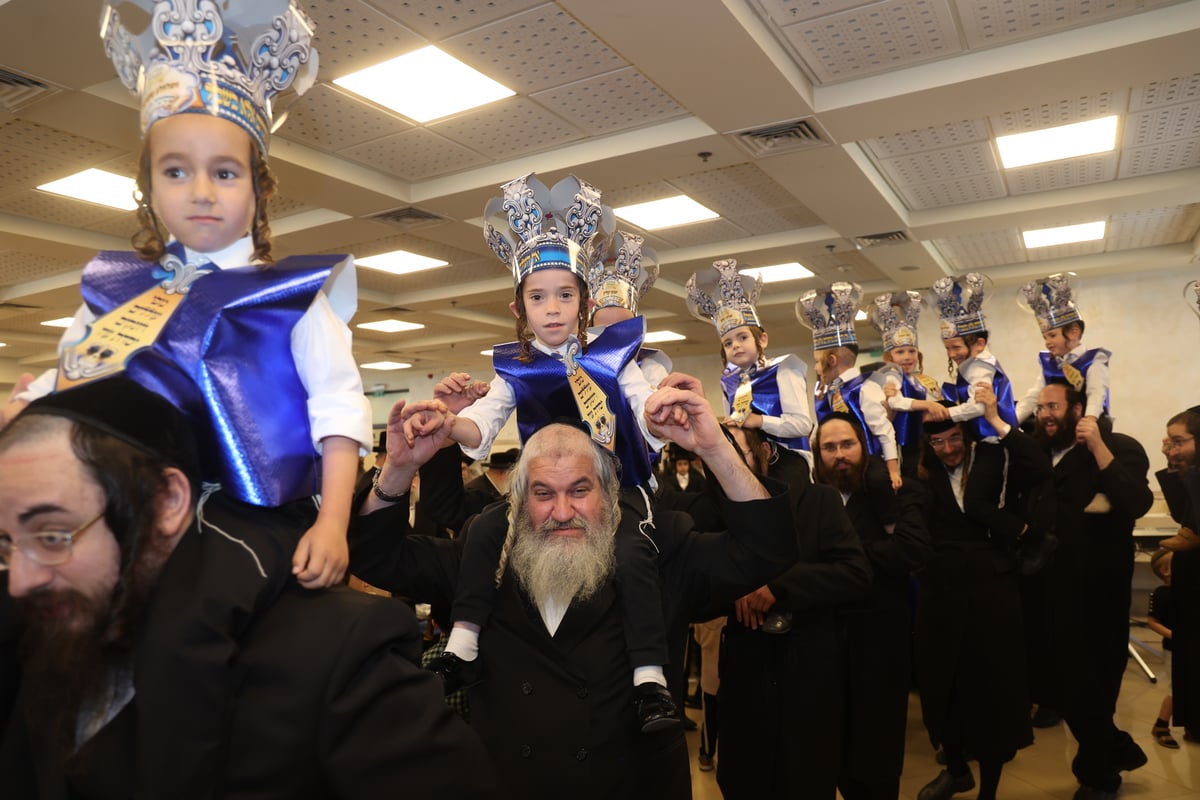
(741, 400)
(114, 338)
(590, 398)
(1073, 376)
(932, 390)
(838, 403)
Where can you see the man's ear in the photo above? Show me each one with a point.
(513, 308)
(174, 504)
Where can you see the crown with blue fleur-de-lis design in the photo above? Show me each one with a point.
(959, 303)
(895, 316)
(724, 297)
(532, 228)
(225, 60)
(625, 277)
(1052, 301)
(1191, 295)
(830, 312)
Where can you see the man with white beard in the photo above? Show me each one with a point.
(553, 700)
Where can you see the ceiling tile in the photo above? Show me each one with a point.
(981, 250)
(534, 50)
(988, 23)
(949, 135)
(1152, 227)
(415, 154)
(611, 102)
(507, 128)
(438, 19)
(351, 36)
(328, 119)
(1062, 174)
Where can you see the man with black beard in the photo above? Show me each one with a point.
(99, 505)
(1101, 490)
(553, 700)
(877, 650)
(780, 694)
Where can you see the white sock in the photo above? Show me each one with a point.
(650, 674)
(464, 641)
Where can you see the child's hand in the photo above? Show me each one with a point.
(457, 391)
(322, 556)
(893, 468)
(890, 391)
(934, 412)
(424, 419)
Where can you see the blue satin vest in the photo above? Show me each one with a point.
(852, 397)
(764, 399)
(1002, 386)
(542, 391)
(1051, 369)
(225, 360)
(908, 424)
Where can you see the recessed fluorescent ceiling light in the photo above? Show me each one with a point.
(3, 344)
(861, 316)
(665, 213)
(663, 336)
(400, 262)
(485, 352)
(390, 326)
(65, 322)
(1052, 144)
(425, 84)
(96, 186)
(1087, 232)
(779, 272)
(385, 365)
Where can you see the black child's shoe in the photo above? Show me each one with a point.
(655, 707)
(450, 668)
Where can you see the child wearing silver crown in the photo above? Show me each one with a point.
(964, 334)
(912, 397)
(257, 355)
(1052, 301)
(843, 388)
(617, 284)
(771, 395)
(552, 373)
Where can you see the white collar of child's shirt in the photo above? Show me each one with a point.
(556, 351)
(1076, 351)
(238, 254)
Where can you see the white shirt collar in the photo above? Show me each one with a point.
(238, 254)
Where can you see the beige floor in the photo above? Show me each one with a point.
(1043, 771)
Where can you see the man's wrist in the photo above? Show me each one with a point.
(390, 486)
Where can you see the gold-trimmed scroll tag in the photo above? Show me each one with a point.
(932, 390)
(837, 403)
(742, 399)
(114, 338)
(1073, 376)
(590, 399)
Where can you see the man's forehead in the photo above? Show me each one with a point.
(41, 468)
(1054, 391)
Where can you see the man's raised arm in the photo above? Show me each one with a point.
(684, 416)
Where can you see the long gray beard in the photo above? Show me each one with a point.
(549, 567)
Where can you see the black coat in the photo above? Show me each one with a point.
(329, 702)
(970, 639)
(1182, 491)
(1090, 577)
(781, 704)
(878, 646)
(556, 712)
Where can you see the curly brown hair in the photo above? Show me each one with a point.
(150, 240)
(525, 333)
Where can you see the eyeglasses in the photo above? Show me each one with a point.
(1176, 442)
(949, 441)
(834, 447)
(48, 548)
(1051, 407)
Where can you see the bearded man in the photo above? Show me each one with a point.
(892, 528)
(1101, 490)
(98, 507)
(554, 702)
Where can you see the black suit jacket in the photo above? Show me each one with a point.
(557, 712)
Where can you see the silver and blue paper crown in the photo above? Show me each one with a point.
(724, 297)
(226, 60)
(1191, 295)
(829, 312)
(895, 316)
(1051, 300)
(625, 278)
(532, 228)
(959, 303)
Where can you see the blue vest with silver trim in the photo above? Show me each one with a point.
(542, 392)
(225, 360)
(852, 396)
(1052, 370)
(764, 400)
